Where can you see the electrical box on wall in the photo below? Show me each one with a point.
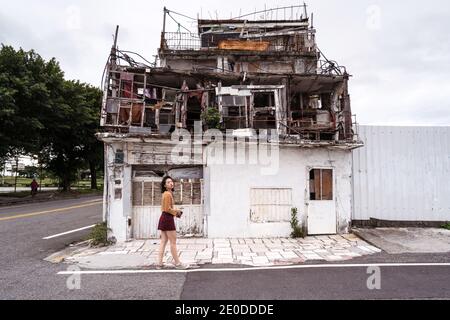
(119, 157)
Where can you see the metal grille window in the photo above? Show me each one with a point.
(270, 204)
(321, 184)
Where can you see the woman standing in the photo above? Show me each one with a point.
(167, 224)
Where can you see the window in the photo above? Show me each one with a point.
(321, 184)
(264, 99)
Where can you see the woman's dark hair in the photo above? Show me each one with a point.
(163, 183)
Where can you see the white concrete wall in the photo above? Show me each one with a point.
(227, 191)
(229, 185)
(118, 210)
(402, 174)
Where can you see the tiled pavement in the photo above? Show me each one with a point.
(251, 252)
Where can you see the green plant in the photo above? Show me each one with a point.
(297, 231)
(99, 235)
(446, 226)
(211, 117)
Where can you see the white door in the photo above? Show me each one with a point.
(320, 203)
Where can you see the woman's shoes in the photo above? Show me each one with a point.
(181, 266)
(160, 266)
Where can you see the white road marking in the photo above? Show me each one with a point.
(68, 232)
(320, 266)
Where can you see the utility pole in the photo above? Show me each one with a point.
(163, 33)
(15, 178)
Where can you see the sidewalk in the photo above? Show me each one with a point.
(247, 252)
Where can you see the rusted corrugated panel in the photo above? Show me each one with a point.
(270, 204)
(244, 45)
(402, 174)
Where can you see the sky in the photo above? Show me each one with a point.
(397, 51)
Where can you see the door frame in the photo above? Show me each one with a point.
(308, 194)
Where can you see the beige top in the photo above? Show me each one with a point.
(167, 204)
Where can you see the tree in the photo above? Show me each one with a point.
(92, 148)
(44, 114)
(26, 84)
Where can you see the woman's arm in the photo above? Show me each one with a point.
(167, 204)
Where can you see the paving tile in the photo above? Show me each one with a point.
(260, 260)
(273, 255)
(249, 254)
(289, 254)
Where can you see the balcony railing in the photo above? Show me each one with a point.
(179, 41)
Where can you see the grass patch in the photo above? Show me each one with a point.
(446, 226)
(99, 235)
(297, 231)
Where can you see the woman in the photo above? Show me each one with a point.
(167, 224)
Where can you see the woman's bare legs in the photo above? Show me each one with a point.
(172, 235)
(162, 247)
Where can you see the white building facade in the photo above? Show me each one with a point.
(242, 196)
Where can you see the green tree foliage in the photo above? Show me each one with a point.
(43, 114)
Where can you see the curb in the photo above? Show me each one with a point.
(366, 239)
(60, 256)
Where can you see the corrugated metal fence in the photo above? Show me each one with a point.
(402, 174)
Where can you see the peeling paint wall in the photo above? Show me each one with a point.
(230, 186)
(227, 193)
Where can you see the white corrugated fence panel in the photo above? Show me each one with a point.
(402, 174)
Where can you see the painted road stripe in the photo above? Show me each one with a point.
(43, 202)
(68, 232)
(317, 266)
(26, 215)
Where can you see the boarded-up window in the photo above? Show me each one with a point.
(148, 193)
(149, 189)
(137, 194)
(270, 204)
(321, 184)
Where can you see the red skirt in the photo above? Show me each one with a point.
(166, 222)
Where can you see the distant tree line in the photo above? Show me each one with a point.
(44, 115)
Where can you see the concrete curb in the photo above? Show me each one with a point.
(60, 256)
(370, 239)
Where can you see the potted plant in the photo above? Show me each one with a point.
(211, 118)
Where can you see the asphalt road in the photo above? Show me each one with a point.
(25, 275)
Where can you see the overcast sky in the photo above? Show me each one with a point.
(398, 51)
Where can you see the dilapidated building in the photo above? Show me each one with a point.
(255, 89)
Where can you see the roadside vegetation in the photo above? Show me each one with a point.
(99, 235)
(446, 225)
(49, 118)
(297, 230)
